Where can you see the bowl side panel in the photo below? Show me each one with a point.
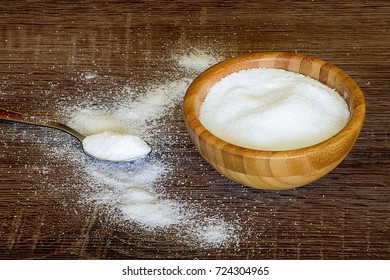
(271, 182)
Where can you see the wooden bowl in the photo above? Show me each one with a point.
(275, 170)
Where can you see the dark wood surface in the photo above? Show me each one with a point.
(45, 46)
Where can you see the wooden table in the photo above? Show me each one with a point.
(46, 46)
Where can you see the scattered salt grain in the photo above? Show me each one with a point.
(121, 177)
(197, 60)
(161, 213)
(213, 233)
(151, 105)
(89, 76)
(133, 195)
(81, 118)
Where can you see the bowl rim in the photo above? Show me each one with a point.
(354, 124)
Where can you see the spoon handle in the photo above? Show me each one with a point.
(13, 116)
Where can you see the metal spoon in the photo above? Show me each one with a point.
(13, 116)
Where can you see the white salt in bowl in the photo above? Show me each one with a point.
(275, 170)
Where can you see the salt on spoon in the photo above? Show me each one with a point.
(107, 146)
(111, 146)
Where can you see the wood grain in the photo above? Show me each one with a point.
(46, 46)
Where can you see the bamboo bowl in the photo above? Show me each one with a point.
(275, 170)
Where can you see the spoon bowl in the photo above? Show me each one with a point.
(13, 116)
